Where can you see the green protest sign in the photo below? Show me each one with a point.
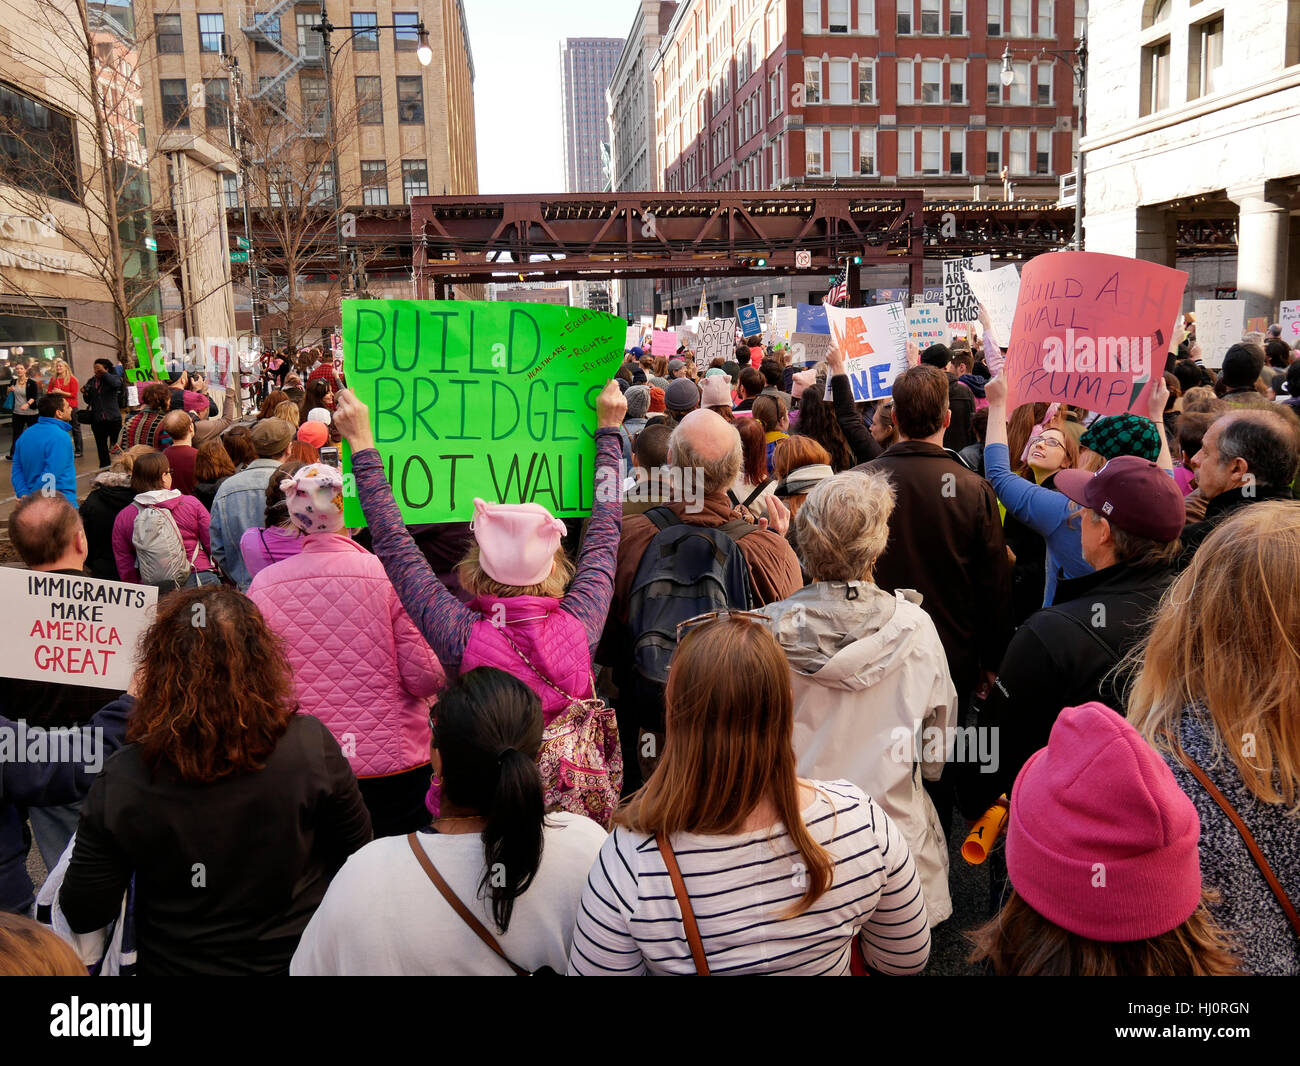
(144, 331)
(469, 398)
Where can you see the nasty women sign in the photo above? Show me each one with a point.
(717, 338)
(69, 629)
(1089, 330)
(469, 398)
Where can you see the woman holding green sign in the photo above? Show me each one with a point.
(532, 615)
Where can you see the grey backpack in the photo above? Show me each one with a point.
(159, 548)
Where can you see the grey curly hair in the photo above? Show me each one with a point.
(843, 525)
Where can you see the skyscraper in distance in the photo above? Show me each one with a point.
(586, 67)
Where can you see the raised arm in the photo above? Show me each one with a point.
(864, 445)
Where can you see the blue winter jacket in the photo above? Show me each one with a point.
(45, 448)
(36, 771)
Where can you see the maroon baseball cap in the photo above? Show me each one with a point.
(1129, 492)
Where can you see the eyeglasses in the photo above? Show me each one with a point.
(1046, 440)
(717, 616)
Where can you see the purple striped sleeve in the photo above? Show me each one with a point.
(593, 585)
(442, 619)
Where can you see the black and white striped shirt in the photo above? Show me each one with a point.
(629, 921)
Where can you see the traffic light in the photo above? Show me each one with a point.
(753, 262)
(856, 260)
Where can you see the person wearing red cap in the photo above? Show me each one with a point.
(1066, 654)
(1102, 854)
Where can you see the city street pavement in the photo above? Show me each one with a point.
(87, 468)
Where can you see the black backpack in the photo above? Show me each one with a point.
(686, 571)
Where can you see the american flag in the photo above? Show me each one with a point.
(840, 290)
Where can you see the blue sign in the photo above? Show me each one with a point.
(811, 318)
(748, 315)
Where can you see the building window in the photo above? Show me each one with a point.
(313, 103)
(1020, 87)
(323, 191)
(867, 16)
(276, 97)
(410, 100)
(866, 81)
(812, 140)
(812, 81)
(995, 18)
(957, 152)
(957, 81)
(415, 178)
(216, 107)
(905, 95)
(230, 189)
(309, 41)
(1019, 152)
(995, 83)
(930, 17)
(931, 86)
(840, 80)
(1043, 154)
(812, 16)
(837, 20)
(992, 151)
(1019, 25)
(1080, 18)
(374, 181)
(841, 152)
(1205, 46)
(904, 17)
(1044, 86)
(211, 29)
(167, 34)
(370, 101)
(1046, 21)
(776, 96)
(906, 151)
(957, 18)
(38, 148)
(406, 37)
(366, 40)
(866, 152)
(175, 103)
(931, 152)
(1155, 71)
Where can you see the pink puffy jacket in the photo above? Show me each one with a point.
(359, 664)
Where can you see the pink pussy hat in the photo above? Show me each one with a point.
(1102, 841)
(516, 542)
(315, 498)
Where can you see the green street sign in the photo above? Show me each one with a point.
(242, 242)
(151, 244)
(239, 257)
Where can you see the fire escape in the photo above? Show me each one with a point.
(260, 23)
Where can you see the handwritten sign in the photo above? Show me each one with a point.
(1091, 330)
(1290, 321)
(633, 339)
(661, 321)
(144, 335)
(1218, 327)
(749, 324)
(781, 324)
(958, 301)
(997, 290)
(1257, 325)
(809, 348)
(69, 629)
(717, 340)
(874, 343)
(468, 398)
(925, 325)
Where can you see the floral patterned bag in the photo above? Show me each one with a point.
(580, 760)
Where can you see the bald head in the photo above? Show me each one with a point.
(47, 532)
(706, 442)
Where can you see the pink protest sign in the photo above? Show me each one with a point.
(1091, 330)
(663, 342)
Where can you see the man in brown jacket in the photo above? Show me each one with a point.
(704, 452)
(945, 541)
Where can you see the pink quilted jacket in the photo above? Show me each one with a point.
(359, 664)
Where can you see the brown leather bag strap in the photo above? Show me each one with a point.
(1247, 837)
(465, 916)
(684, 902)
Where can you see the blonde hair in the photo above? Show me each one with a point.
(1241, 583)
(1202, 398)
(288, 410)
(843, 525)
(475, 580)
(125, 462)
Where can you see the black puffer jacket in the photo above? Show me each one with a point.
(109, 495)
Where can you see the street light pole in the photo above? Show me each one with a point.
(232, 65)
(325, 29)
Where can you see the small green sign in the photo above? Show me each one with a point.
(242, 242)
(144, 331)
(239, 257)
(151, 244)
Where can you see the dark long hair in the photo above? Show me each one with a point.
(314, 396)
(277, 508)
(817, 420)
(488, 731)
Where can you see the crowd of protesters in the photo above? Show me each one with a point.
(730, 723)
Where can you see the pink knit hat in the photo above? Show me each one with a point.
(716, 392)
(314, 495)
(1102, 841)
(516, 542)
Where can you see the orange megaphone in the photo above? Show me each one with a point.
(984, 833)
